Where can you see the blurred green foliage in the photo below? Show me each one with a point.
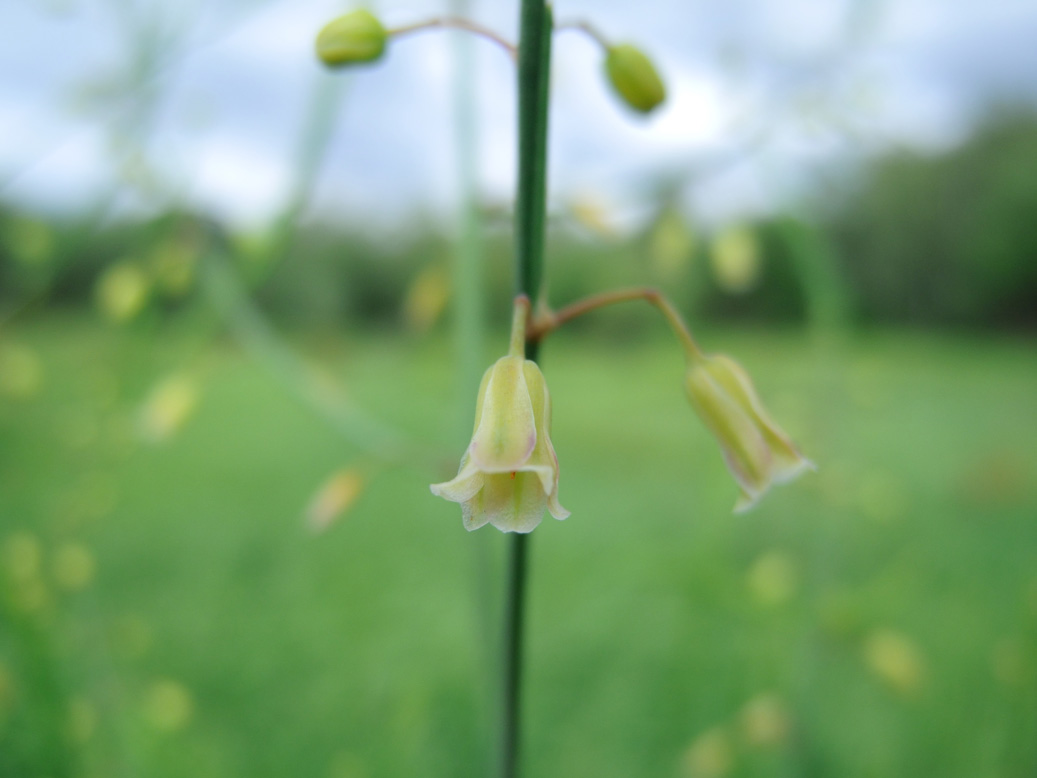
(949, 239)
(939, 240)
(877, 618)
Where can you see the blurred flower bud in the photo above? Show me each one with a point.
(169, 705)
(756, 450)
(21, 372)
(711, 755)
(765, 721)
(773, 578)
(634, 77)
(122, 291)
(334, 498)
(356, 37)
(168, 407)
(74, 567)
(426, 298)
(736, 261)
(671, 244)
(894, 658)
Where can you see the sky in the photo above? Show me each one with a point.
(765, 98)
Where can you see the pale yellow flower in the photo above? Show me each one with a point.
(509, 474)
(757, 452)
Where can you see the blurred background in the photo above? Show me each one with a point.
(245, 304)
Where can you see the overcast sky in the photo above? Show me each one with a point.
(803, 85)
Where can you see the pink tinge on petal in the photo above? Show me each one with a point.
(555, 507)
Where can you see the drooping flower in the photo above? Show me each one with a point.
(509, 474)
(757, 452)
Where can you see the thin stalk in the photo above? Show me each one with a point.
(534, 65)
(230, 300)
(546, 323)
(455, 23)
(468, 349)
(588, 29)
(518, 554)
(531, 200)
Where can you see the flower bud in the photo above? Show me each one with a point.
(356, 37)
(634, 77)
(756, 450)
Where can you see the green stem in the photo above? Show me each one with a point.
(531, 199)
(534, 66)
(513, 623)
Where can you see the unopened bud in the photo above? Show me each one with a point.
(356, 37)
(634, 78)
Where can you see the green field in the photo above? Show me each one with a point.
(166, 612)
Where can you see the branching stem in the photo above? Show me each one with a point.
(588, 29)
(547, 322)
(457, 23)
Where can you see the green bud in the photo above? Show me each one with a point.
(356, 37)
(634, 77)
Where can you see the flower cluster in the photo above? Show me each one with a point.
(509, 473)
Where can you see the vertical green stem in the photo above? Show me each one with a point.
(518, 551)
(534, 65)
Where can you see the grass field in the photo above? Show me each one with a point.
(167, 613)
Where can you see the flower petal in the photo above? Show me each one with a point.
(464, 486)
(510, 504)
(506, 434)
(787, 462)
(745, 450)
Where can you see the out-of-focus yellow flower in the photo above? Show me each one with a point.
(634, 77)
(356, 37)
(21, 373)
(509, 474)
(671, 243)
(122, 291)
(757, 452)
(169, 705)
(334, 498)
(591, 213)
(773, 578)
(895, 659)
(426, 298)
(169, 406)
(765, 721)
(710, 756)
(73, 567)
(735, 258)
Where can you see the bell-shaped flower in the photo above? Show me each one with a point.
(757, 452)
(509, 474)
